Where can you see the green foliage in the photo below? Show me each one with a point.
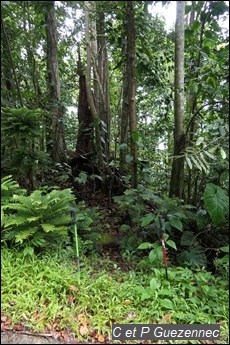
(23, 133)
(216, 203)
(9, 187)
(222, 263)
(38, 219)
(21, 123)
(192, 257)
(132, 202)
(89, 228)
(42, 285)
(184, 226)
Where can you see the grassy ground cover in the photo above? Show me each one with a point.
(47, 294)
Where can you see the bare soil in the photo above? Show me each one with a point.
(11, 337)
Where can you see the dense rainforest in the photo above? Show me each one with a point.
(114, 166)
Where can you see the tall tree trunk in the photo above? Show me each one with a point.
(124, 126)
(131, 89)
(192, 101)
(91, 49)
(103, 75)
(58, 137)
(6, 71)
(85, 138)
(177, 173)
(8, 50)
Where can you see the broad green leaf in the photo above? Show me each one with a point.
(196, 163)
(225, 249)
(176, 223)
(128, 158)
(153, 284)
(146, 220)
(193, 257)
(204, 168)
(28, 251)
(146, 295)
(216, 202)
(196, 25)
(123, 146)
(223, 153)
(152, 255)
(171, 244)
(97, 177)
(145, 245)
(213, 149)
(199, 141)
(166, 303)
(135, 136)
(222, 131)
(210, 155)
(139, 144)
(204, 160)
(186, 238)
(188, 161)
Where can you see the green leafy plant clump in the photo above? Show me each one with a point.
(37, 290)
(37, 219)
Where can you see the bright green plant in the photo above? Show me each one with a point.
(222, 263)
(24, 144)
(10, 187)
(38, 289)
(216, 203)
(38, 219)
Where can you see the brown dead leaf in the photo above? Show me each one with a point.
(55, 324)
(126, 301)
(5, 327)
(18, 327)
(83, 319)
(36, 316)
(65, 337)
(101, 339)
(46, 303)
(222, 322)
(131, 315)
(93, 333)
(3, 318)
(70, 299)
(166, 317)
(73, 288)
(55, 334)
(83, 330)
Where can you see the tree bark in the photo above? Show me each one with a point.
(58, 147)
(90, 49)
(177, 173)
(103, 75)
(85, 138)
(124, 126)
(8, 49)
(131, 89)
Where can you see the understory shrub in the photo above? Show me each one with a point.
(38, 219)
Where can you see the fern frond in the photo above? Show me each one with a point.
(48, 227)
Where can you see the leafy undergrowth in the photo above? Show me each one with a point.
(46, 294)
